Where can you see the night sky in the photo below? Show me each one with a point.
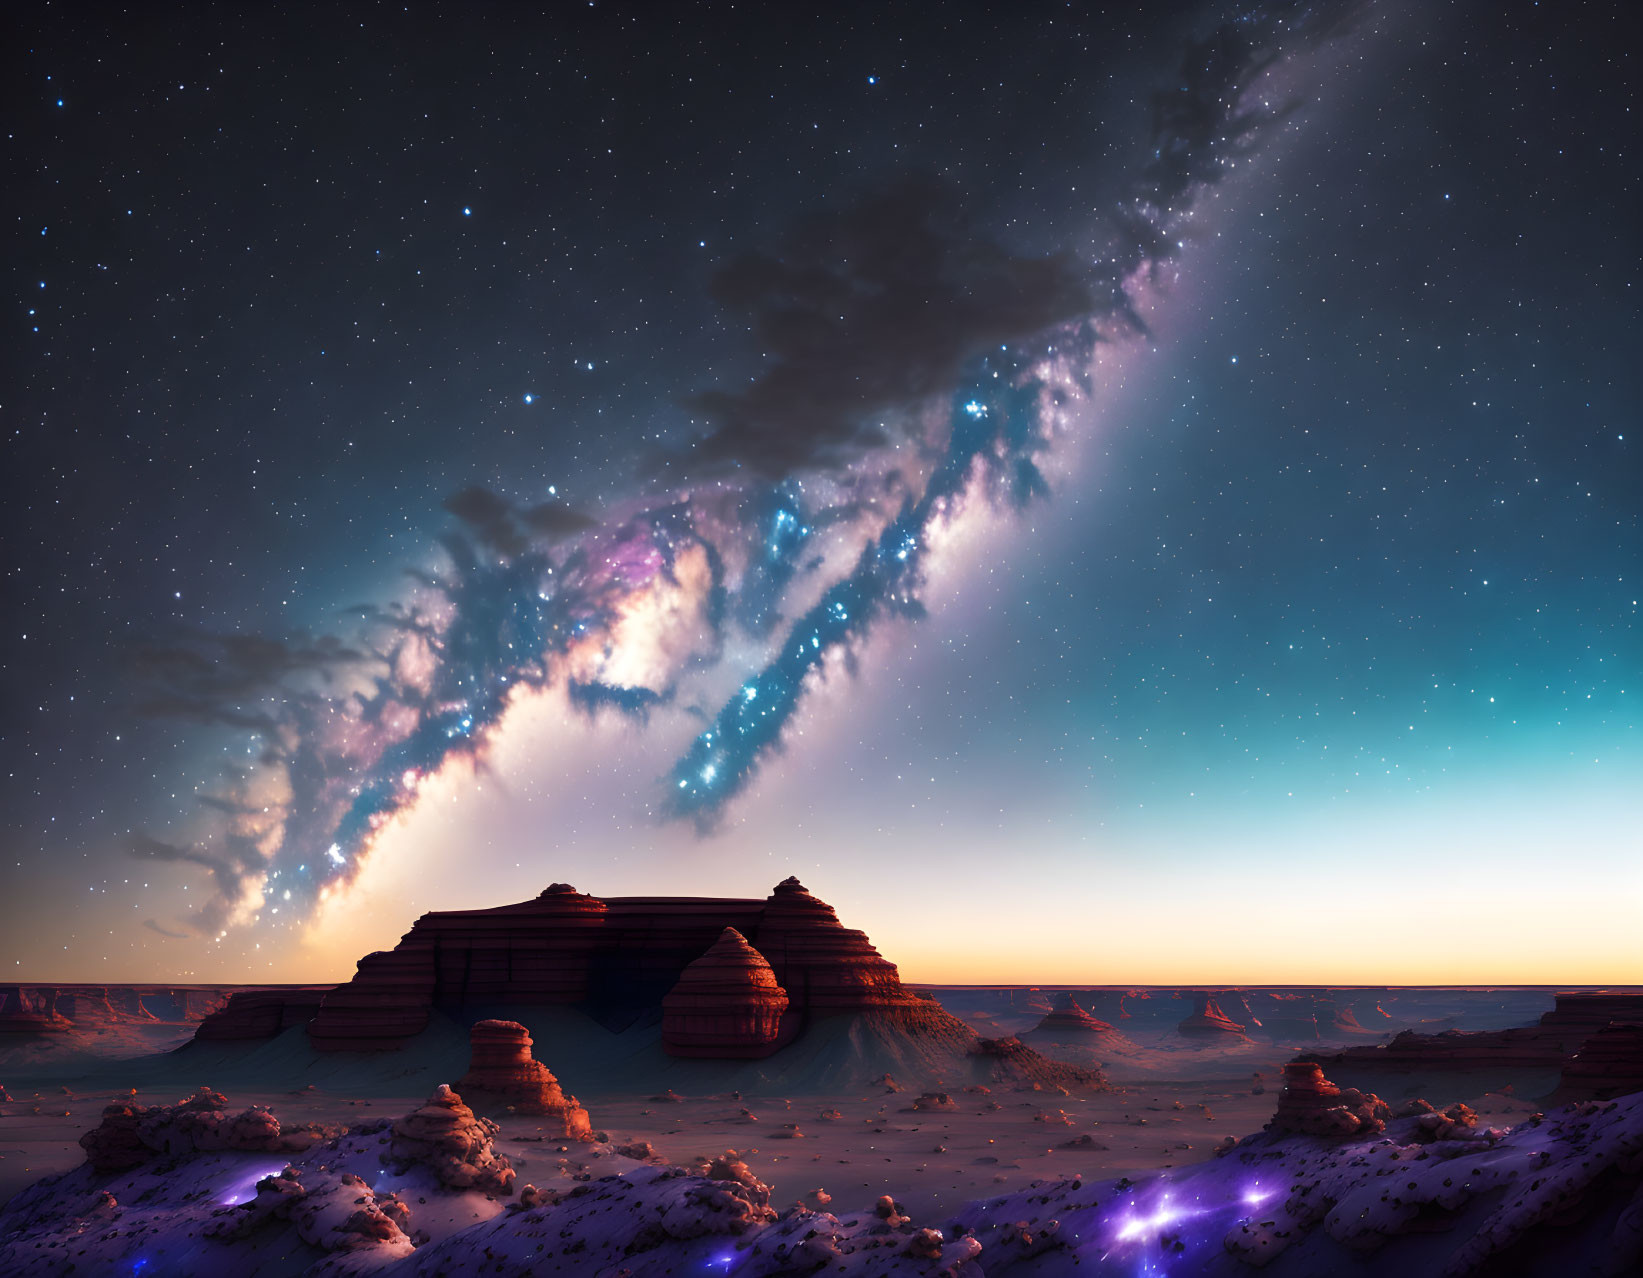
(1103, 495)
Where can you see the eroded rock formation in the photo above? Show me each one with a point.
(1310, 1105)
(726, 1005)
(1208, 1021)
(501, 1067)
(47, 1009)
(25, 1011)
(1067, 1018)
(445, 1136)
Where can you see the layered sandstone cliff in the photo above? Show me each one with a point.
(565, 948)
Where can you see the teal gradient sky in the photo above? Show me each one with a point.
(1321, 662)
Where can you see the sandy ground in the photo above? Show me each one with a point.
(932, 1160)
(1175, 1099)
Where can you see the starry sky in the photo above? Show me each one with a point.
(1134, 494)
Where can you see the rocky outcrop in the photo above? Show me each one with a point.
(1208, 1021)
(444, 1135)
(131, 1135)
(1608, 1064)
(615, 959)
(258, 1014)
(502, 1068)
(1310, 1105)
(726, 1005)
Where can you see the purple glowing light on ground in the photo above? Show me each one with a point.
(245, 1187)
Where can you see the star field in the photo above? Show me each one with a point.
(374, 370)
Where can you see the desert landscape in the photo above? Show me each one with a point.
(650, 1086)
(939, 639)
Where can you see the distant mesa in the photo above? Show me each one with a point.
(728, 979)
(1584, 1039)
(55, 1009)
(1068, 1027)
(1235, 1006)
(1606, 1065)
(1208, 1021)
(26, 1011)
(502, 1068)
(1067, 1017)
(565, 948)
(726, 1005)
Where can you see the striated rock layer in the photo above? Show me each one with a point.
(726, 1005)
(253, 1014)
(1608, 1064)
(501, 1066)
(607, 956)
(1546, 1045)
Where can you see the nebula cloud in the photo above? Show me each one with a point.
(915, 369)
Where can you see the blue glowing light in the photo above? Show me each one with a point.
(529, 398)
(467, 212)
